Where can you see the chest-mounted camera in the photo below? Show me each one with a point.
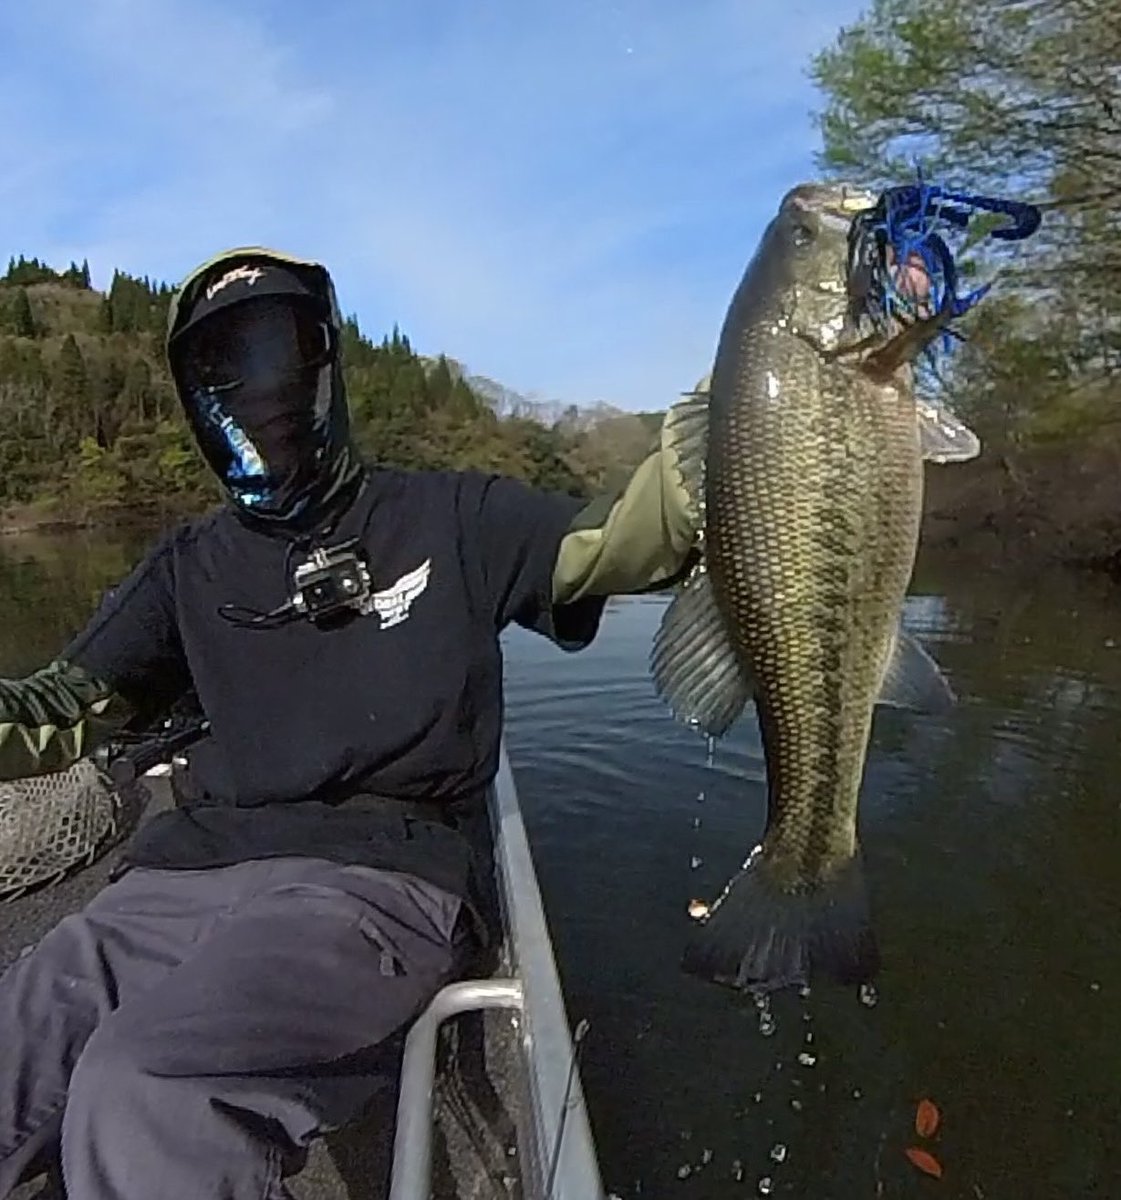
(331, 581)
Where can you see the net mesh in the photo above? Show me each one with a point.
(50, 824)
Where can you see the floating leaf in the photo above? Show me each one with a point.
(925, 1162)
(926, 1118)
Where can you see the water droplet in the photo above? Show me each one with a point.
(809, 1037)
(757, 1097)
(737, 1171)
(804, 991)
(807, 1060)
(869, 997)
(767, 1024)
(698, 909)
(778, 1152)
(694, 862)
(856, 1093)
(1095, 987)
(696, 822)
(796, 1105)
(684, 1171)
(766, 1185)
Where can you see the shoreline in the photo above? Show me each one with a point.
(1009, 551)
(18, 523)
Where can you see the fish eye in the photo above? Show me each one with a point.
(802, 235)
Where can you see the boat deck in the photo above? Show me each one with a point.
(483, 1097)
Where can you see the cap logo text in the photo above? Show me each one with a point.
(249, 274)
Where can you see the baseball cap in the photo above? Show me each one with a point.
(235, 281)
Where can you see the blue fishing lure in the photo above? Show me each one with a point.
(914, 219)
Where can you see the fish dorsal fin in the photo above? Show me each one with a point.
(695, 667)
(913, 679)
(944, 437)
(685, 438)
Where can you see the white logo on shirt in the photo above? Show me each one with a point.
(392, 604)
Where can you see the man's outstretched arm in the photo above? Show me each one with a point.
(642, 538)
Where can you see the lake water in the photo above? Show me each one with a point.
(992, 841)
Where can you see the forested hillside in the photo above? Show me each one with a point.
(92, 429)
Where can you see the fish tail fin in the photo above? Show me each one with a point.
(760, 936)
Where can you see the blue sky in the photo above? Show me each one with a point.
(561, 195)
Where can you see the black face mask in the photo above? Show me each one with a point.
(254, 390)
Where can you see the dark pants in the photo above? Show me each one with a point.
(189, 1032)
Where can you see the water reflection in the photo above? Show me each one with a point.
(49, 586)
(992, 837)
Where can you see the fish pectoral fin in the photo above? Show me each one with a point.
(685, 440)
(944, 437)
(914, 680)
(695, 667)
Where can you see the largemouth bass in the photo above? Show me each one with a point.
(804, 460)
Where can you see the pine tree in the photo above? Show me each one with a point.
(21, 320)
(120, 308)
(463, 403)
(440, 384)
(137, 390)
(71, 385)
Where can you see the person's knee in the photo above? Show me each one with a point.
(110, 1077)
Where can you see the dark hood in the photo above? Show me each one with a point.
(237, 277)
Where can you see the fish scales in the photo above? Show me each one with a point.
(808, 444)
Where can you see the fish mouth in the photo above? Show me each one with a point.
(843, 208)
(835, 203)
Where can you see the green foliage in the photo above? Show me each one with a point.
(91, 420)
(1017, 98)
(20, 320)
(1010, 96)
(96, 483)
(23, 272)
(70, 387)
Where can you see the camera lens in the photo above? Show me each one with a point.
(322, 592)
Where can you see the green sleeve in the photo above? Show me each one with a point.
(639, 540)
(52, 718)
